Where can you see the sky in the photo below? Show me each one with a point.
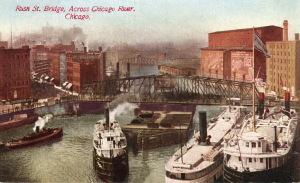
(151, 20)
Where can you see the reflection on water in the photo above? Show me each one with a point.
(69, 159)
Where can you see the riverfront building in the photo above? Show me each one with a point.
(83, 67)
(14, 73)
(283, 66)
(183, 66)
(229, 54)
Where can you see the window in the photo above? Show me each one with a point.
(259, 144)
(250, 160)
(261, 160)
(240, 159)
(247, 144)
(253, 144)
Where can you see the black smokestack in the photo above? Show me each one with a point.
(261, 105)
(275, 139)
(287, 101)
(203, 126)
(118, 70)
(107, 117)
(128, 70)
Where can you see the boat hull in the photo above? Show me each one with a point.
(16, 123)
(55, 133)
(213, 176)
(111, 169)
(283, 173)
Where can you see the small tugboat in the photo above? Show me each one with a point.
(262, 150)
(36, 137)
(200, 160)
(110, 150)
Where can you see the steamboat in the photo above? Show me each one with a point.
(200, 160)
(110, 150)
(262, 150)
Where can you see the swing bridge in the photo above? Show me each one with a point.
(171, 89)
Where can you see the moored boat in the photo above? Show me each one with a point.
(110, 151)
(200, 160)
(263, 153)
(17, 120)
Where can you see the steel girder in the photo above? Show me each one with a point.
(171, 89)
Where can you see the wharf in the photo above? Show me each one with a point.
(152, 129)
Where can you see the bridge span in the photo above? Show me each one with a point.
(171, 89)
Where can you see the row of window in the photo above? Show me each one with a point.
(23, 56)
(253, 144)
(282, 45)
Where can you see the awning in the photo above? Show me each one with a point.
(69, 86)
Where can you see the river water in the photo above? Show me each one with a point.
(69, 159)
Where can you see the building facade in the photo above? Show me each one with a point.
(230, 53)
(40, 63)
(283, 67)
(15, 73)
(84, 67)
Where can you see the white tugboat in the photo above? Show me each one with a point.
(110, 150)
(263, 153)
(200, 160)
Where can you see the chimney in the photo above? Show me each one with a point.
(287, 101)
(104, 66)
(285, 31)
(203, 126)
(107, 117)
(118, 70)
(84, 49)
(296, 36)
(128, 70)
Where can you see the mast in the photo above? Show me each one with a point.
(253, 87)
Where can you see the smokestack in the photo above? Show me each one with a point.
(107, 117)
(84, 49)
(104, 65)
(285, 31)
(275, 139)
(203, 126)
(296, 36)
(128, 70)
(261, 105)
(118, 70)
(287, 101)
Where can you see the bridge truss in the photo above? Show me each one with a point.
(171, 89)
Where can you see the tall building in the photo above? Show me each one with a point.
(14, 73)
(39, 60)
(83, 67)
(284, 65)
(229, 54)
(54, 56)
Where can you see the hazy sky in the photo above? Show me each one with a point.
(152, 20)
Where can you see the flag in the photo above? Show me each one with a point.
(281, 82)
(259, 45)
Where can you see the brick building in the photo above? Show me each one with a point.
(54, 56)
(15, 73)
(283, 66)
(230, 53)
(83, 67)
(39, 60)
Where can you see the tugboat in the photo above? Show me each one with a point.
(40, 134)
(200, 160)
(262, 150)
(110, 150)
